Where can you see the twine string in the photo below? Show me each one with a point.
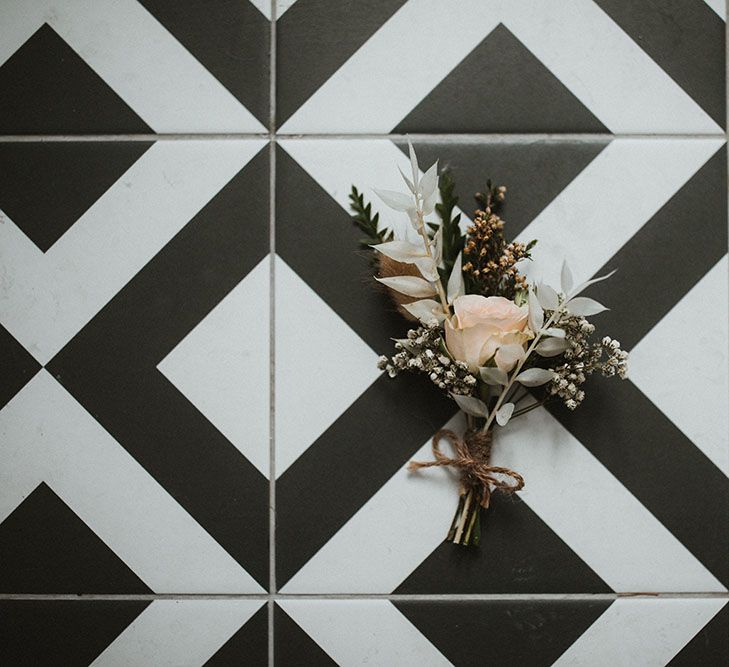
(472, 454)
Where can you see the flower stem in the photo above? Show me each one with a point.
(530, 349)
(466, 527)
(426, 241)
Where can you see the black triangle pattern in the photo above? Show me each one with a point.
(535, 172)
(72, 633)
(293, 646)
(497, 87)
(518, 553)
(248, 646)
(17, 364)
(47, 186)
(46, 548)
(503, 632)
(47, 88)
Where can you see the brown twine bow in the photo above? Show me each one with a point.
(472, 458)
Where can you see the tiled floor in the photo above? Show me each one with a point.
(199, 461)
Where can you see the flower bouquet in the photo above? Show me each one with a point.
(499, 345)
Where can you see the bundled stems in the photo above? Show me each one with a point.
(466, 527)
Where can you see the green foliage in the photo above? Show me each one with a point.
(367, 223)
(453, 240)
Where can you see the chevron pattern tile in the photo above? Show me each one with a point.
(200, 463)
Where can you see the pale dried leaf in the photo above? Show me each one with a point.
(395, 200)
(584, 306)
(548, 297)
(536, 314)
(503, 415)
(426, 310)
(401, 251)
(414, 164)
(493, 376)
(581, 287)
(534, 377)
(551, 347)
(456, 286)
(471, 405)
(429, 181)
(409, 285)
(408, 182)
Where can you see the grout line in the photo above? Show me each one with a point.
(424, 597)
(272, 336)
(502, 138)
(420, 138)
(198, 136)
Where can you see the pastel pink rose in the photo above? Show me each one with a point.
(485, 328)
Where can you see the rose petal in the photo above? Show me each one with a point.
(507, 356)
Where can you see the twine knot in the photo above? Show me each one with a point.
(472, 454)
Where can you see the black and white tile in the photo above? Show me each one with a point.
(534, 633)
(142, 373)
(608, 470)
(216, 633)
(129, 379)
(128, 66)
(499, 66)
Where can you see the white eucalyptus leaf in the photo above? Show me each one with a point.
(401, 251)
(554, 331)
(429, 181)
(503, 414)
(428, 205)
(414, 164)
(536, 314)
(408, 182)
(493, 376)
(567, 279)
(534, 377)
(471, 405)
(551, 347)
(438, 244)
(585, 306)
(548, 297)
(427, 268)
(456, 286)
(426, 310)
(395, 200)
(409, 285)
(581, 287)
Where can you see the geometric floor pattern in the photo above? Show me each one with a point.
(200, 463)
